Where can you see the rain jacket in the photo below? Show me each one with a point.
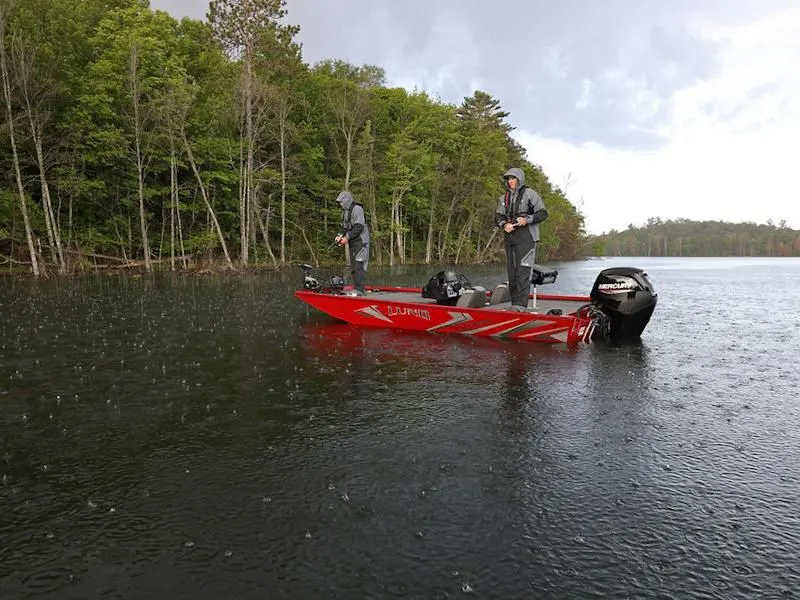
(529, 204)
(354, 222)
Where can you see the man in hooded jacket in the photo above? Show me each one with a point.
(519, 212)
(355, 235)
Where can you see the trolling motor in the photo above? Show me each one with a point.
(626, 298)
(309, 281)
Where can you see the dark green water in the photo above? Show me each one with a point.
(211, 438)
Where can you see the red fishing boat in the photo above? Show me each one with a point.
(618, 307)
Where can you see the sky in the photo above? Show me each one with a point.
(635, 108)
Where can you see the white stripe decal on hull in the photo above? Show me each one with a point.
(551, 332)
(373, 311)
(516, 323)
(455, 319)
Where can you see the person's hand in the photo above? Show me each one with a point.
(522, 221)
(342, 240)
(508, 227)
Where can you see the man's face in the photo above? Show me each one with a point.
(512, 182)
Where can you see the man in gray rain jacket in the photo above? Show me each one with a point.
(519, 212)
(354, 234)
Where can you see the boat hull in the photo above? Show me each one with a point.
(403, 308)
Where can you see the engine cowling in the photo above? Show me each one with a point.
(627, 298)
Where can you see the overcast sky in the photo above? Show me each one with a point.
(637, 108)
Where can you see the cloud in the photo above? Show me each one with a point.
(730, 144)
(672, 109)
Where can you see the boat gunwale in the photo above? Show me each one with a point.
(430, 303)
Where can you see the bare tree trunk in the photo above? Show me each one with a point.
(348, 152)
(250, 143)
(305, 238)
(264, 233)
(140, 167)
(282, 118)
(391, 235)
(172, 200)
(69, 224)
(481, 255)
(121, 241)
(429, 241)
(24, 61)
(184, 260)
(365, 162)
(212, 216)
(163, 232)
(466, 231)
(442, 245)
(53, 229)
(242, 203)
(350, 108)
(5, 11)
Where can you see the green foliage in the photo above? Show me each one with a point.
(683, 237)
(428, 172)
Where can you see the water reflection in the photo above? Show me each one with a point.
(213, 438)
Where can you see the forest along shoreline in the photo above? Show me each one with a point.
(215, 143)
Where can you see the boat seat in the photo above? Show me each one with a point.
(473, 298)
(500, 294)
(542, 275)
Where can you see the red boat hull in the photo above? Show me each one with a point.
(397, 308)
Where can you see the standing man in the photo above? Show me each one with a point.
(354, 234)
(519, 212)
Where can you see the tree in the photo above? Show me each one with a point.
(35, 86)
(240, 26)
(5, 12)
(183, 139)
(485, 112)
(348, 101)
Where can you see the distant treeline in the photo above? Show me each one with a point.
(129, 138)
(683, 237)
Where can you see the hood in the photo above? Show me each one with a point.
(345, 199)
(515, 172)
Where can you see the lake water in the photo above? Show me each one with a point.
(196, 438)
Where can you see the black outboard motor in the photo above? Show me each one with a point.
(627, 298)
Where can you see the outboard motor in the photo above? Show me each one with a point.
(627, 299)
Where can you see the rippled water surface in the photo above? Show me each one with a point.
(211, 438)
